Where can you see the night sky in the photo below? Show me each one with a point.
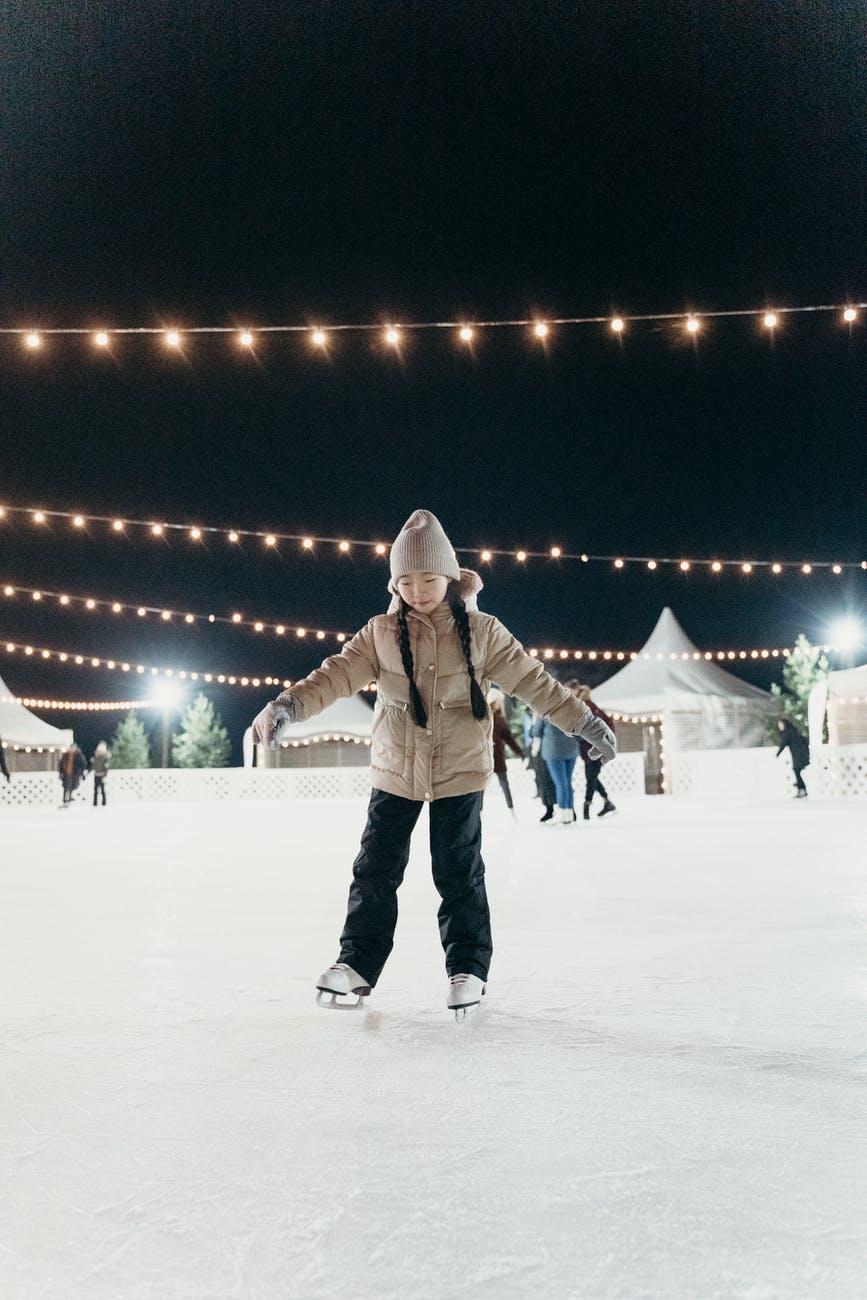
(328, 162)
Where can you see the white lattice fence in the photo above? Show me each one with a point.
(206, 785)
(840, 771)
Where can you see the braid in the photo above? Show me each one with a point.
(416, 703)
(459, 610)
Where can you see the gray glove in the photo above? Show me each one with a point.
(600, 737)
(277, 714)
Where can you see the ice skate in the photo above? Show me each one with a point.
(607, 808)
(465, 995)
(338, 985)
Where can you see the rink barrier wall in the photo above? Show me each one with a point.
(836, 772)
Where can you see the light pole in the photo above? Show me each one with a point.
(166, 696)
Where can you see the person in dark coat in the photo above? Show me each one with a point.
(99, 767)
(592, 767)
(3, 768)
(502, 736)
(792, 740)
(72, 767)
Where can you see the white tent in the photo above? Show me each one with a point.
(842, 696)
(344, 723)
(671, 683)
(25, 734)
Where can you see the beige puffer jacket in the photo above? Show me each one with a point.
(453, 754)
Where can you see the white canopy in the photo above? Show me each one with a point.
(669, 666)
(701, 705)
(843, 695)
(18, 726)
(352, 717)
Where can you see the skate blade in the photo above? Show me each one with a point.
(461, 1013)
(332, 1001)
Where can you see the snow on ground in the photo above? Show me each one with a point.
(663, 1097)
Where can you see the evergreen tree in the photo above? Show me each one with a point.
(203, 740)
(129, 748)
(805, 666)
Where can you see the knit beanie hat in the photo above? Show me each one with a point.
(422, 546)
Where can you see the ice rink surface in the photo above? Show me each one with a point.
(665, 1094)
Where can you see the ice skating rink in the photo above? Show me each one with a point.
(665, 1095)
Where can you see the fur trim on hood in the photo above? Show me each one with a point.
(471, 585)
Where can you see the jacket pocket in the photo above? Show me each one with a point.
(388, 741)
(465, 743)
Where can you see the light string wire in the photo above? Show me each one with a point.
(79, 706)
(318, 333)
(101, 606)
(483, 555)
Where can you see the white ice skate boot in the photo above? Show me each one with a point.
(336, 987)
(465, 993)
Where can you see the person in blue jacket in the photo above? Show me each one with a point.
(560, 753)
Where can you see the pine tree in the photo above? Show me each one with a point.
(129, 748)
(805, 666)
(203, 740)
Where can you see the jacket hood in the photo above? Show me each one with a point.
(471, 585)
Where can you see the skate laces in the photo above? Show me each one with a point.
(457, 981)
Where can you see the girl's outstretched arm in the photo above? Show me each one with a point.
(336, 678)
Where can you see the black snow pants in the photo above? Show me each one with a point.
(458, 874)
(592, 768)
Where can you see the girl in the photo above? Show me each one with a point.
(433, 655)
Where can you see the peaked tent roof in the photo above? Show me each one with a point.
(18, 726)
(661, 672)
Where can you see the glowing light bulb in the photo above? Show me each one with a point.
(258, 627)
(850, 315)
(157, 530)
(693, 324)
(392, 335)
(466, 334)
(245, 338)
(555, 552)
(141, 611)
(617, 325)
(195, 533)
(380, 548)
(33, 340)
(166, 615)
(651, 564)
(39, 517)
(189, 618)
(344, 547)
(746, 568)
(64, 600)
(118, 525)
(486, 556)
(307, 543)
(300, 631)
(270, 540)
(716, 566)
(173, 339)
(37, 595)
(776, 568)
(836, 568)
(684, 566)
(806, 568)
(236, 618)
(279, 629)
(101, 339)
(521, 556)
(540, 329)
(769, 319)
(233, 536)
(618, 564)
(8, 591)
(78, 521)
(117, 608)
(319, 338)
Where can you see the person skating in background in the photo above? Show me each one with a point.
(592, 767)
(72, 767)
(3, 768)
(560, 752)
(544, 785)
(502, 736)
(792, 740)
(433, 656)
(99, 765)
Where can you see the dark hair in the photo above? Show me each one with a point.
(462, 623)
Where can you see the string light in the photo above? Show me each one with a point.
(392, 336)
(33, 340)
(693, 324)
(245, 339)
(540, 329)
(319, 338)
(466, 334)
(617, 325)
(69, 706)
(769, 320)
(101, 339)
(173, 339)
(850, 315)
(271, 539)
